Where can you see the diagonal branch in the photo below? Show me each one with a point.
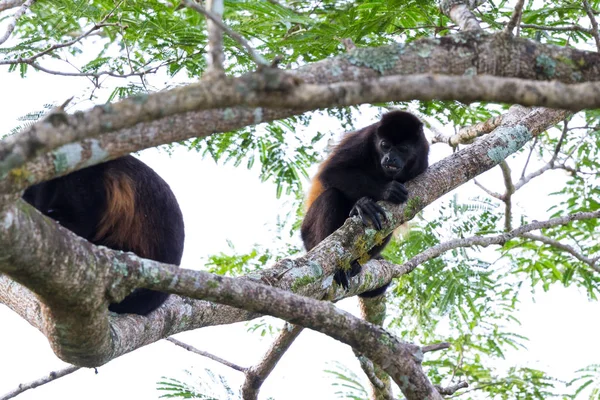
(256, 375)
(11, 26)
(52, 376)
(515, 17)
(591, 261)
(269, 88)
(594, 31)
(258, 59)
(75, 311)
(460, 13)
(216, 55)
(205, 354)
(486, 241)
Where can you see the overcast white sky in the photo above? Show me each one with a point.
(561, 324)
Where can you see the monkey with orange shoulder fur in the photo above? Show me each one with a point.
(121, 204)
(367, 166)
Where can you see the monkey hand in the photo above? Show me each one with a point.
(342, 277)
(394, 192)
(368, 211)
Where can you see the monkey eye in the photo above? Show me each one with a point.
(385, 145)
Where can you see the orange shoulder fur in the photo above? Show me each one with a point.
(121, 224)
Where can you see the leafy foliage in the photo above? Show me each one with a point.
(206, 385)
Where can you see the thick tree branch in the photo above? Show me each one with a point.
(273, 89)
(488, 54)
(75, 314)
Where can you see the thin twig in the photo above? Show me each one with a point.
(515, 18)
(257, 58)
(451, 389)
(488, 191)
(564, 28)
(12, 24)
(205, 354)
(509, 191)
(435, 347)
(535, 140)
(216, 55)
(591, 261)
(590, 13)
(550, 165)
(52, 376)
(485, 241)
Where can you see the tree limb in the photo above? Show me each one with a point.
(52, 376)
(257, 374)
(11, 26)
(258, 59)
(205, 354)
(75, 314)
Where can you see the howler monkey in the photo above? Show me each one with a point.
(368, 165)
(121, 204)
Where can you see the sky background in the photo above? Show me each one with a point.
(561, 324)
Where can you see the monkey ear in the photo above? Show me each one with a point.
(396, 121)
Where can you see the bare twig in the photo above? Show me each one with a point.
(12, 24)
(258, 59)
(205, 354)
(496, 195)
(445, 391)
(550, 165)
(435, 347)
(468, 134)
(216, 55)
(529, 156)
(565, 28)
(515, 18)
(52, 376)
(256, 375)
(485, 241)
(590, 13)
(591, 261)
(509, 191)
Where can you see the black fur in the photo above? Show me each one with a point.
(369, 165)
(121, 204)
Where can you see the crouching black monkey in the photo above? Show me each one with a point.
(368, 165)
(121, 204)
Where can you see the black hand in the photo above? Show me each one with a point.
(368, 211)
(342, 277)
(395, 192)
